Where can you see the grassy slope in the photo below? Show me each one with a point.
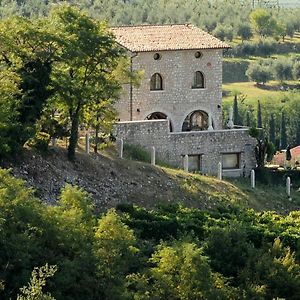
(270, 95)
(110, 181)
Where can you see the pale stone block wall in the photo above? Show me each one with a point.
(171, 147)
(177, 99)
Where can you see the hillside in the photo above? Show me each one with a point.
(111, 181)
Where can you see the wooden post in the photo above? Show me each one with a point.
(186, 163)
(53, 142)
(121, 148)
(288, 187)
(153, 156)
(87, 143)
(253, 179)
(220, 170)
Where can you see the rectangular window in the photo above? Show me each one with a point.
(195, 163)
(231, 161)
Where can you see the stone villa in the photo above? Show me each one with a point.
(178, 106)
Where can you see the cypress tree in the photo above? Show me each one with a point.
(298, 134)
(259, 118)
(248, 121)
(236, 116)
(272, 129)
(283, 135)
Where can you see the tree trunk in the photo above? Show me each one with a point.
(74, 134)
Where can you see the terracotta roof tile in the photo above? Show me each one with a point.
(145, 38)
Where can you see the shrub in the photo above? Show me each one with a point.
(266, 47)
(223, 32)
(40, 142)
(244, 31)
(296, 71)
(136, 153)
(259, 73)
(283, 69)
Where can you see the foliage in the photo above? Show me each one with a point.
(283, 135)
(259, 73)
(83, 76)
(27, 51)
(275, 269)
(40, 141)
(261, 47)
(65, 69)
(136, 153)
(244, 31)
(9, 125)
(236, 116)
(133, 253)
(223, 32)
(259, 115)
(180, 271)
(283, 70)
(206, 14)
(37, 281)
(264, 24)
(114, 249)
(296, 70)
(272, 130)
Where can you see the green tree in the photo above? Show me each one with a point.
(230, 242)
(223, 32)
(27, 49)
(274, 269)
(296, 70)
(114, 249)
(258, 73)
(259, 115)
(263, 23)
(283, 134)
(244, 31)
(297, 139)
(272, 129)
(236, 115)
(180, 271)
(283, 70)
(8, 113)
(84, 74)
(34, 290)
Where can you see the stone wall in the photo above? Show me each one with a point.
(177, 99)
(172, 146)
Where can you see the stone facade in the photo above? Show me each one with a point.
(178, 100)
(209, 145)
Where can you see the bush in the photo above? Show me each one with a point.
(244, 31)
(234, 71)
(296, 70)
(264, 47)
(259, 73)
(136, 153)
(283, 70)
(223, 32)
(40, 142)
(277, 177)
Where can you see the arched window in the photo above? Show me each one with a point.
(159, 116)
(196, 121)
(198, 80)
(156, 83)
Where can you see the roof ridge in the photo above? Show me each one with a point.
(149, 37)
